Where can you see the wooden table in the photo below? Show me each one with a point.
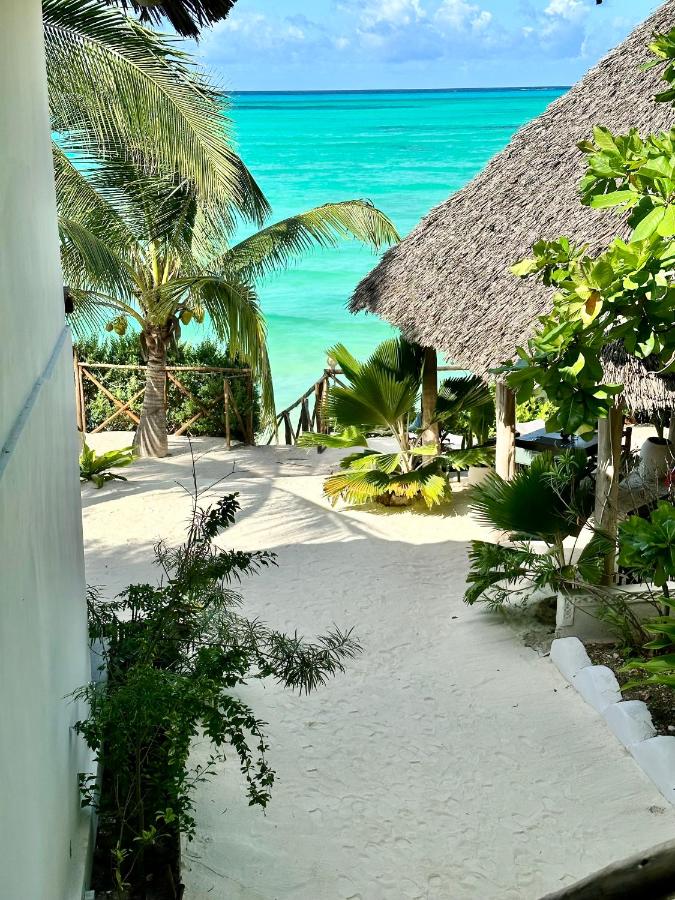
(542, 441)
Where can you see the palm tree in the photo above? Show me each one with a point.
(118, 91)
(150, 192)
(152, 251)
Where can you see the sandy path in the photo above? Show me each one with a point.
(449, 762)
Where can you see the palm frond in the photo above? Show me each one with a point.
(93, 310)
(275, 247)
(95, 206)
(539, 502)
(459, 395)
(92, 264)
(350, 437)
(186, 16)
(400, 358)
(238, 321)
(373, 459)
(376, 399)
(346, 361)
(356, 487)
(459, 460)
(425, 482)
(119, 90)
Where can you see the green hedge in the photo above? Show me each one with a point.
(124, 383)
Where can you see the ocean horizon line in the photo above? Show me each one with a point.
(455, 90)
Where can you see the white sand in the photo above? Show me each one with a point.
(451, 761)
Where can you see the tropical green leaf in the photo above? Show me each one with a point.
(276, 246)
(350, 437)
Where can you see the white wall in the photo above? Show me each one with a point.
(43, 645)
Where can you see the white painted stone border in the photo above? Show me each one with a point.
(629, 720)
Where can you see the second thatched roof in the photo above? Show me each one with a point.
(645, 392)
(448, 284)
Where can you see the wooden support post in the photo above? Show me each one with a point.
(671, 430)
(430, 434)
(249, 391)
(79, 412)
(610, 434)
(288, 427)
(320, 392)
(304, 424)
(505, 450)
(226, 403)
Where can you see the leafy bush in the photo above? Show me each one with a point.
(175, 652)
(648, 545)
(124, 383)
(96, 467)
(536, 407)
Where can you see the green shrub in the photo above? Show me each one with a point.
(206, 387)
(175, 655)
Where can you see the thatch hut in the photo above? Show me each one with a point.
(448, 285)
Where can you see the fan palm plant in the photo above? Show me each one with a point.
(152, 251)
(548, 501)
(381, 397)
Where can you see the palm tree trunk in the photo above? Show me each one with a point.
(151, 438)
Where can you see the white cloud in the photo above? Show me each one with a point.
(570, 10)
(462, 16)
(391, 12)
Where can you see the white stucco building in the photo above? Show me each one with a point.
(43, 642)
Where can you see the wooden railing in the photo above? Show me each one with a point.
(310, 409)
(125, 407)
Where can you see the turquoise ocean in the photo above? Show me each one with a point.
(404, 151)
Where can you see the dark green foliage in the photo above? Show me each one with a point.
(537, 407)
(175, 652)
(658, 667)
(124, 383)
(465, 406)
(648, 545)
(547, 501)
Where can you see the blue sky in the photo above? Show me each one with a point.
(362, 44)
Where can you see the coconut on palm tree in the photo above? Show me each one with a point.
(150, 193)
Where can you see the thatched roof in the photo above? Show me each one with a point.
(186, 16)
(645, 392)
(447, 285)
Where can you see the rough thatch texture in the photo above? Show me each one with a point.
(186, 16)
(448, 285)
(645, 392)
